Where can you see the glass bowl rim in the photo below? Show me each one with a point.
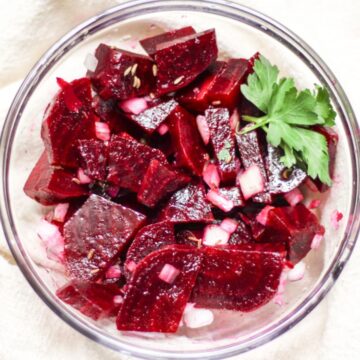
(220, 7)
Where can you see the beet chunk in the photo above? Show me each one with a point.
(93, 158)
(68, 119)
(225, 89)
(129, 160)
(223, 142)
(195, 95)
(93, 300)
(190, 151)
(188, 205)
(148, 239)
(282, 179)
(251, 153)
(233, 193)
(152, 304)
(158, 182)
(332, 139)
(149, 44)
(242, 234)
(48, 185)
(96, 234)
(235, 279)
(122, 74)
(295, 226)
(150, 119)
(181, 60)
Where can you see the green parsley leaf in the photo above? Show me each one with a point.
(289, 116)
(224, 155)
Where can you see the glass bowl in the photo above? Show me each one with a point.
(241, 32)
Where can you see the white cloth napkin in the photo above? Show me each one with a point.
(28, 328)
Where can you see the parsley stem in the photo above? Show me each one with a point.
(259, 122)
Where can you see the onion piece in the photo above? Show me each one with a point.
(203, 128)
(83, 178)
(131, 266)
(229, 225)
(113, 272)
(163, 129)
(169, 273)
(195, 318)
(53, 240)
(316, 241)
(215, 235)
(234, 120)
(263, 215)
(298, 272)
(251, 181)
(91, 62)
(336, 216)
(314, 204)
(102, 131)
(118, 300)
(294, 196)
(219, 201)
(60, 212)
(211, 176)
(133, 106)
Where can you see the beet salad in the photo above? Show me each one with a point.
(175, 181)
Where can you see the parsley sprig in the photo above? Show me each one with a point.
(289, 115)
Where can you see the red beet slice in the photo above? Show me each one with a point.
(149, 44)
(225, 90)
(235, 279)
(223, 142)
(158, 182)
(251, 153)
(68, 119)
(332, 139)
(233, 193)
(295, 226)
(152, 304)
(181, 60)
(129, 160)
(188, 205)
(282, 179)
(96, 234)
(122, 74)
(190, 151)
(93, 300)
(242, 234)
(195, 95)
(148, 239)
(48, 185)
(150, 119)
(93, 158)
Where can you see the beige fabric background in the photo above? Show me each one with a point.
(29, 329)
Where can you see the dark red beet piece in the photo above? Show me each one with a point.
(96, 234)
(129, 160)
(189, 237)
(49, 185)
(225, 90)
(148, 239)
(190, 151)
(195, 95)
(294, 225)
(248, 108)
(235, 279)
(159, 182)
(188, 205)
(93, 300)
(181, 60)
(93, 158)
(233, 193)
(223, 142)
(251, 153)
(332, 139)
(282, 179)
(152, 304)
(150, 119)
(122, 74)
(149, 44)
(68, 119)
(242, 234)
